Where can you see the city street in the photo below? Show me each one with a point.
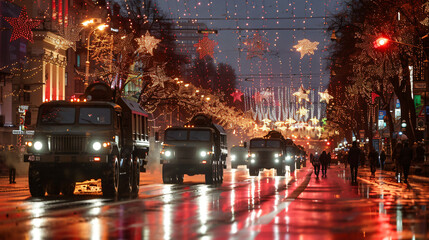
(264, 207)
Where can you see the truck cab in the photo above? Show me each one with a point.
(88, 139)
(238, 155)
(199, 147)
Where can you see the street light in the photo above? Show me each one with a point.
(100, 27)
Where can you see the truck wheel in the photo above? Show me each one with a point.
(281, 171)
(54, 188)
(126, 180)
(136, 178)
(253, 171)
(110, 180)
(292, 167)
(68, 188)
(167, 176)
(35, 182)
(210, 174)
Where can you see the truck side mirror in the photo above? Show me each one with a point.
(245, 144)
(156, 136)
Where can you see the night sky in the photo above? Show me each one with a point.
(274, 20)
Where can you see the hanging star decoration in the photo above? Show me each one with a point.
(237, 95)
(256, 46)
(205, 47)
(147, 43)
(265, 128)
(302, 94)
(324, 96)
(302, 112)
(278, 123)
(283, 128)
(22, 25)
(305, 46)
(290, 121)
(314, 120)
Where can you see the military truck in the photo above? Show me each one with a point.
(94, 137)
(270, 151)
(238, 155)
(199, 147)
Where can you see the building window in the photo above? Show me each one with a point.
(78, 60)
(26, 93)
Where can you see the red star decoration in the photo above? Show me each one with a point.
(205, 47)
(237, 95)
(22, 26)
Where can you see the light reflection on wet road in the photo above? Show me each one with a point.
(265, 207)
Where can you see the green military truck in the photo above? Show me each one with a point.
(95, 137)
(199, 147)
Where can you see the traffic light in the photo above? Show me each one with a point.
(381, 42)
(328, 143)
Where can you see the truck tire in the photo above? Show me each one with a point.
(126, 180)
(210, 174)
(110, 179)
(253, 171)
(68, 188)
(35, 181)
(281, 171)
(54, 187)
(167, 176)
(136, 178)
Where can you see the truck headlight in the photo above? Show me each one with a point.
(204, 153)
(96, 146)
(253, 155)
(288, 158)
(38, 145)
(276, 161)
(252, 161)
(233, 157)
(276, 155)
(168, 153)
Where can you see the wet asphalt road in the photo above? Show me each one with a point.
(297, 206)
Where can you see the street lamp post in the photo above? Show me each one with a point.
(100, 27)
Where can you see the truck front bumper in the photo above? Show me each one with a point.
(63, 158)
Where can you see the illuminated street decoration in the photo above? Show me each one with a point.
(22, 25)
(147, 43)
(266, 121)
(314, 121)
(302, 112)
(265, 128)
(302, 94)
(205, 47)
(305, 46)
(290, 121)
(256, 46)
(325, 96)
(237, 95)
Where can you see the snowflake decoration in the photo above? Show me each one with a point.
(22, 25)
(205, 47)
(256, 46)
(147, 43)
(324, 96)
(304, 46)
(302, 94)
(158, 76)
(237, 95)
(302, 112)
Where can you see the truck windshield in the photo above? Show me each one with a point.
(265, 144)
(190, 135)
(57, 115)
(95, 115)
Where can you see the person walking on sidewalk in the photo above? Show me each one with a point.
(11, 161)
(396, 158)
(373, 160)
(405, 159)
(324, 161)
(316, 165)
(353, 159)
(382, 159)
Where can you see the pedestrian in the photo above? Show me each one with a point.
(324, 161)
(316, 165)
(373, 160)
(396, 158)
(353, 159)
(420, 153)
(362, 157)
(11, 161)
(329, 159)
(405, 159)
(311, 158)
(382, 159)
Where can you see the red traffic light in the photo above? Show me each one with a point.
(328, 143)
(381, 42)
